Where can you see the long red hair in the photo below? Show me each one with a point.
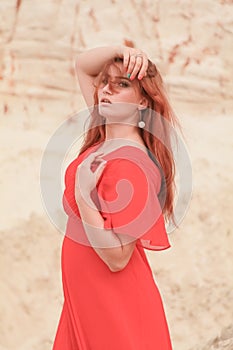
(160, 120)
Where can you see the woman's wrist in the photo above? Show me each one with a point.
(119, 50)
(82, 196)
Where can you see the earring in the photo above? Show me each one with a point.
(141, 123)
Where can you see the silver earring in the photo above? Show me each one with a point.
(141, 123)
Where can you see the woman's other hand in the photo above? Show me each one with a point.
(88, 174)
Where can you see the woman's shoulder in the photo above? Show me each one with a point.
(127, 157)
(132, 164)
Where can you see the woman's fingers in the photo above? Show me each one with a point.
(94, 157)
(89, 172)
(137, 67)
(126, 56)
(137, 63)
(91, 158)
(87, 162)
(100, 169)
(131, 64)
(143, 69)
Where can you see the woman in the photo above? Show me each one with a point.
(118, 191)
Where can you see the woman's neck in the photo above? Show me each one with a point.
(119, 131)
(118, 135)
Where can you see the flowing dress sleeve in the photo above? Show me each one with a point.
(129, 204)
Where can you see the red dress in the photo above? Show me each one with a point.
(105, 310)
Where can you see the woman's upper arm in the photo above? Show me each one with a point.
(86, 83)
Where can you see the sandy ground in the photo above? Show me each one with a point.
(38, 92)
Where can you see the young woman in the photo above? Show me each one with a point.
(119, 192)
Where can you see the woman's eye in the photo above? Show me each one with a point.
(123, 84)
(104, 81)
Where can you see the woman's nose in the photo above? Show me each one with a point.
(107, 89)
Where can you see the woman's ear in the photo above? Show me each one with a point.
(143, 104)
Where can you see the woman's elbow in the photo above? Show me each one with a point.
(118, 265)
(116, 268)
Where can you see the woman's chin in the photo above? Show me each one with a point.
(115, 113)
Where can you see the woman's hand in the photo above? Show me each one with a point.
(87, 175)
(135, 61)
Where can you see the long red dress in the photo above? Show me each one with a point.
(105, 310)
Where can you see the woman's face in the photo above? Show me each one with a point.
(118, 96)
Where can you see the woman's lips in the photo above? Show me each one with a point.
(105, 100)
